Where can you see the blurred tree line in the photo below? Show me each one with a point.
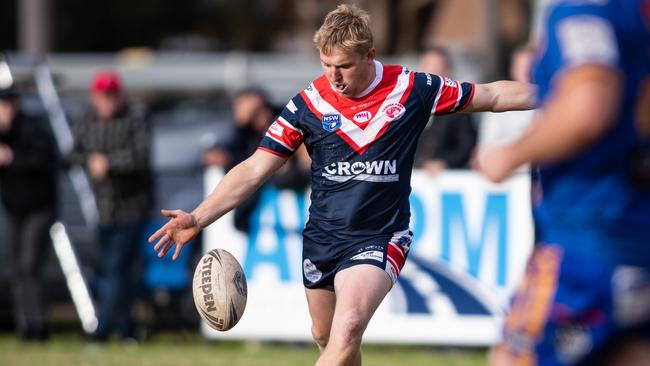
(491, 28)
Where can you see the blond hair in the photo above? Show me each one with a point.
(346, 28)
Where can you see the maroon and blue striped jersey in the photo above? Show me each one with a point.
(362, 148)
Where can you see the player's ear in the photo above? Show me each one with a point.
(371, 54)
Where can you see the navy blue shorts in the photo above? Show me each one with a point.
(570, 310)
(322, 261)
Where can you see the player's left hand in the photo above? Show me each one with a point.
(495, 163)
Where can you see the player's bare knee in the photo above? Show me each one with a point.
(353, 327)
(321, 336)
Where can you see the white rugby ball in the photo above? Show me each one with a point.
(220, 289)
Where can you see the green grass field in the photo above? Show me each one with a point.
(180, 349)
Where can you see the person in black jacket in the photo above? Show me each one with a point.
(448, 141)
(28, 191)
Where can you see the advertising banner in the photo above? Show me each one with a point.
(470, 245)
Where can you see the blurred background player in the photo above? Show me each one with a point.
(112, 143)
(360, 122)
(448, 140)
(28, 163)
(584, 299)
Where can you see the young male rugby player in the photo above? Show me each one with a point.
(360, 122)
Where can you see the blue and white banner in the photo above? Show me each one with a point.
(470, 245)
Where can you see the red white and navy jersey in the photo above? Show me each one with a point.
(362, 148)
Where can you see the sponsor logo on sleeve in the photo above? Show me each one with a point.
(276, 129)
(450, 83)
(291, 106)
(587, 38)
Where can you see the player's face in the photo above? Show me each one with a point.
(348, 72)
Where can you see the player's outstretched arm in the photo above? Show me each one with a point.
(502, 96)
(581, 110)
(235, 187)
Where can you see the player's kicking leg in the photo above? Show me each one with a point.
(359, 291)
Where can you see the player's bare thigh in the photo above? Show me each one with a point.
(359, 291)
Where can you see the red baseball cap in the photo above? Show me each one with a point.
(106, 81)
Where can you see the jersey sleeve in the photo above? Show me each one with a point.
(582, 34)
(442, 95)
(285, 134)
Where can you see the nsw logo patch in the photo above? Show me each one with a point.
(331, 121)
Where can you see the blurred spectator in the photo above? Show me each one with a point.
(501, 128)
(447, 141)
(112, 143)
(252, 115)
(28, 192)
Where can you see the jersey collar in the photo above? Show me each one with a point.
(379, 73)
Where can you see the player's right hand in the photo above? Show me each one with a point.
(179, 230)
